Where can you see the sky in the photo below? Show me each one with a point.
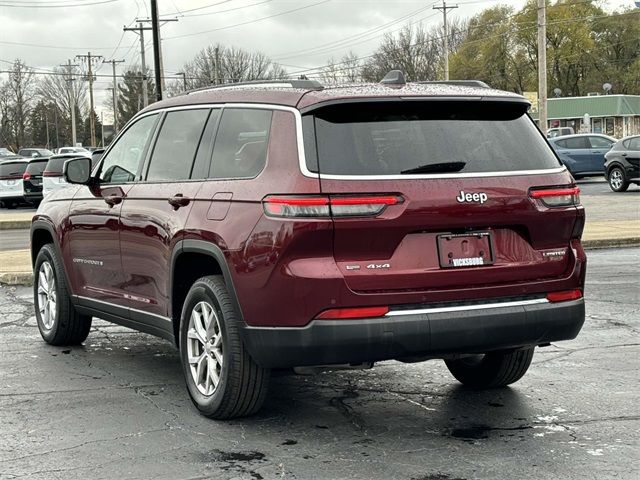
(295, 33)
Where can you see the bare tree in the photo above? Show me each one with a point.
(63, 88)
(347, 70)
(218, 64)
(17, 102)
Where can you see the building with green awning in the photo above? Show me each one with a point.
(615, 115)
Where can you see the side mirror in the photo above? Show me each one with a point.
(77, 170)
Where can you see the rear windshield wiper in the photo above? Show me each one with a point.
(446, 167)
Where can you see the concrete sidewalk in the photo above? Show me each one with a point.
(15, 265)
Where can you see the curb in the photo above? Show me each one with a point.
(16, 278)
(597, 244)
(15, 224)
(26, 278)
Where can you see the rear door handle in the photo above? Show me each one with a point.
(113, 200)
(178, 200)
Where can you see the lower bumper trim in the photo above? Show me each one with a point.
(408, 334)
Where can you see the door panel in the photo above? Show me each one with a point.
(93, 243)
(151, 226)
(156, 210)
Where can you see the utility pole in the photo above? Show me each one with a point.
(155, 32)
(143, 64)
(140, 31)
(542, 65)
(72, 100)
(92, 120)
(115, 93)
(184, 80)
(444, 9)
(216, 67)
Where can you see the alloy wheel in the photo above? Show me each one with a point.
(616, 179)
(205, 348)
(47, 295)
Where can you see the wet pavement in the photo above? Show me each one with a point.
(117, 408)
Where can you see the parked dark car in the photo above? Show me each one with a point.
(35, 152)
(583, 154)
(622, 167)
(285, 224)
(11, 170)
(32, 180)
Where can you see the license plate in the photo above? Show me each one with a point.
(465, 250)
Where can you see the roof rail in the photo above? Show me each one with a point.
(462, 83)
(297, 83)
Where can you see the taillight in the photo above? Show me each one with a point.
(26, 176)
(557, 197)
(48, 173)
(347, 313)
(564, 296)
(326, 206)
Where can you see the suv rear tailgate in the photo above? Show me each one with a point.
(461, 168)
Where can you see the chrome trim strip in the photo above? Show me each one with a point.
(440, 175)
(123, 307)
(420, 311)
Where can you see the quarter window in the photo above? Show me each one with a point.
(240, 149)
(121, 164)
(634, 144)
(600, 142)
(175, 149)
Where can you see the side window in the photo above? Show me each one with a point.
(562, 143)
(240, 149)
(599, 142)
(121, 163)
(634, 144)
(577, 143)
(176, 146)
(201, 165)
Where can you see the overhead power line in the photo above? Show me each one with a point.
(27, 5)
(286, 12)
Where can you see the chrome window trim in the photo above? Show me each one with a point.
(464, 308)
(302, 158)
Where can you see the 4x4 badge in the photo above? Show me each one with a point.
(472, 197)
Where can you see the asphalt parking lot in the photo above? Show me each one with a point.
(117, 408)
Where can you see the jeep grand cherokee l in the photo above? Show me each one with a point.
(280, 225)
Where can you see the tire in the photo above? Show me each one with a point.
(491, 370)
(618, 180)
(58, 321)
(241, 384)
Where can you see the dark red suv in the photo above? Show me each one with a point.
(280, 225)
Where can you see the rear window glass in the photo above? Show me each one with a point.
(600, 142)
(176, 146)
(55, 164)
(396, 138)
(633, 144)
(575, 143)
(12, 169)
(36, 168)
(240, 149)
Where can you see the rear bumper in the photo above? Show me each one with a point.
(429, 332)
